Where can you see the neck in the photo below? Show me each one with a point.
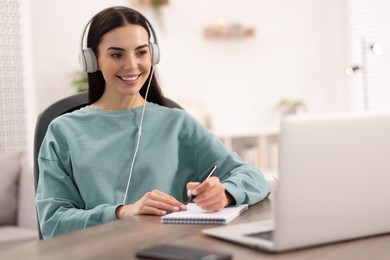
(129, 102)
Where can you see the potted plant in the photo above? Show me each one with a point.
(80, 81)
(288, 107)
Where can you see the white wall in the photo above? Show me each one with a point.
(298, 52)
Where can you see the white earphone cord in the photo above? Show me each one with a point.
(139, 136)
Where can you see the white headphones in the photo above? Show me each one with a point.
(88, 59)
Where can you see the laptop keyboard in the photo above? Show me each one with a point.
(268, 235)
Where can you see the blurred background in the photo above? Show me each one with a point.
(236, 65)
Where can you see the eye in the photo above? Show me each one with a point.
(116, 55)
(142, 53)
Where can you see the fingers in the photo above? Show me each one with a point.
(196, 188)
(192, 185)
(191, 191)
(157, 203)
(210, 194)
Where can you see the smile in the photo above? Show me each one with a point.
(128, 78)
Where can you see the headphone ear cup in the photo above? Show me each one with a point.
(88, 61)
(155, 52)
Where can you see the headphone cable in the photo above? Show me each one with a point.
(139, 136)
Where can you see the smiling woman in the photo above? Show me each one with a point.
(125, 62)
(89, 171)
(105, 25)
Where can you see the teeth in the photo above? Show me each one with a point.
(132, 78)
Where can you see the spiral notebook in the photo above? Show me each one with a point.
(196, 215)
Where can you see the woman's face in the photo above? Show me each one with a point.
(124, 60)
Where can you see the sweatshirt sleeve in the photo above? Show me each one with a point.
(59, 204)
(245, 183)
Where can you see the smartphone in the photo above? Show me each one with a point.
(171, 252)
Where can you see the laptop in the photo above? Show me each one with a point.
(334, 184)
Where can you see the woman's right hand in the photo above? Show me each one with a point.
(152, 203)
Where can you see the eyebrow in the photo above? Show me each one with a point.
(121, 49)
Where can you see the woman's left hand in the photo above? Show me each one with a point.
(210, 194)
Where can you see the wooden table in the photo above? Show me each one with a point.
(121, 239)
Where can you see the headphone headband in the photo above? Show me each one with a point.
(88, 59)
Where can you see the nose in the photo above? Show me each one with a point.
(131, 62)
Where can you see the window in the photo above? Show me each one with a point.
(368, 22)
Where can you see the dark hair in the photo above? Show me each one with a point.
(102, 23)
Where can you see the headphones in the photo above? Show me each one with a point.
(88, 59)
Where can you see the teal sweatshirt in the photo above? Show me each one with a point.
(85, 160)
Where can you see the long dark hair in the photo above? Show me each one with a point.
(102, 23)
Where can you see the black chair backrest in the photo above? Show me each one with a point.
(58, 108)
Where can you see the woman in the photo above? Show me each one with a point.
(122, 155)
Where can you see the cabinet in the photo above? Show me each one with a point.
(257, 147)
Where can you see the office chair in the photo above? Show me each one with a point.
(58, 108)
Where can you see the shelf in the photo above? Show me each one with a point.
(249, 132)
(151, 2)
(221, 29)
(216, 33)
(258, 148)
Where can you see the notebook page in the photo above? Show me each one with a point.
(196, 215)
